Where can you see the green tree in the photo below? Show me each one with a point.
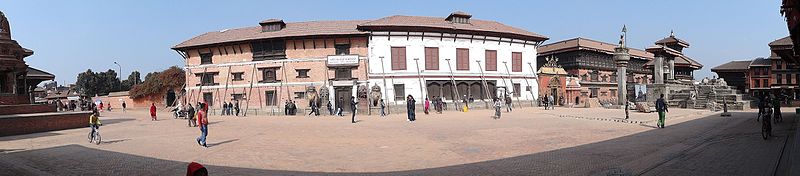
(157, 84)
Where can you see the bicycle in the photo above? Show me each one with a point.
(766, 124)
(97, 138)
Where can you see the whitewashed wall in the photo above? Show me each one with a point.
(380, 45)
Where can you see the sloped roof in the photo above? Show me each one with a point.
(34, 73)
(733, 66)
(552, 71)
(588, 44)
(761, 62)
(475, 26)
(298, 29)
(672, 40)
(786, 41)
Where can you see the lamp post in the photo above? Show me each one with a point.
(120, 70)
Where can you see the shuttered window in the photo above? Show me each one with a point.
(516, 62)
(462, 59)
(398, 58)
(491, 60)
(431, 58)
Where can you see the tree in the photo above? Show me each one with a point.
(98, 83)
(157, 84)
(133, 79)
(86, 83)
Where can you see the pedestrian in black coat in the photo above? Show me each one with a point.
(410, 107)
(353, 106)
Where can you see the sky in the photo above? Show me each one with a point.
(69, 37)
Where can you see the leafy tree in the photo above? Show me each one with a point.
(157, 84)
(98, 83)
(133, 79)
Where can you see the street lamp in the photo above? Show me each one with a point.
(120, 70)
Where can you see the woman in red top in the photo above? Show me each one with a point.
(153, 111)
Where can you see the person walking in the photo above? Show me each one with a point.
(410, 107)
(191, 115)
(313, 105)
(339, 105)
(224, 109)
(427, 106)
(286, 107)
(124, 106)
(497, 105)
(330, 107)
(202, 120)
(509, 104)
(661, 107)
(236, 108)
(383, 108)
(153, 112)
(626, 109)
(353, 106)
(551, 101)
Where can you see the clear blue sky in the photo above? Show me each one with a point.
(70, 36)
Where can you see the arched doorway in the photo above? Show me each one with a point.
(434, 89)
(170, 97)
(476, 91)
(554, 88)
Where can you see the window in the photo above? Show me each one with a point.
(757, 83)
(517, 90)
(344, 73)
(342, 49)
(268, 75)
(797, 79)
(399, 92)
(205, 58)
(302, 73)
(268, 50)
(431, 58)
(491, 60)
(299, 95)
(778, 79)
(764, 82)
(593, 93)
(516, 62)
(462, 59)
(398, 58)
(239, 96)
(238, 76)
(270, 97)
(613, 92)
(207, 79)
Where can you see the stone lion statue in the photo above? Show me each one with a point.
(311, 93)
(375, 94)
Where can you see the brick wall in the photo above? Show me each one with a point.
(25, 124)
(26, 109)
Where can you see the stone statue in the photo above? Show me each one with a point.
(324, 94)
(5, 28)
(375, 94)
(311, 91)
(362, 92)
(704, 81)
(721, 82)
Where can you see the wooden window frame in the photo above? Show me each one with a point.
(398, 58)
(491, 60)
(431, 58)
(462, 59)
(516, 62)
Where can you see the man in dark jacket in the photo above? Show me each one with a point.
(661, 108)
(410, 107)
(330, 107)
(353, 106)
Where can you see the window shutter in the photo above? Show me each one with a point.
(516, 62)
(462, 59)
(398, 58)
(491, 60)
(431, 58)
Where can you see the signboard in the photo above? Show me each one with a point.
(342, 60)
(342, 83)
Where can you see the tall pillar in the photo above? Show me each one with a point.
(658, 70)
(621, 57)
(671, 65)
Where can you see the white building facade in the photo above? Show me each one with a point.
(453, 58)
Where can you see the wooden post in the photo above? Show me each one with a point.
(252, 79)
(512, 83)
(529, 85)
(455, 87)
(537, 78)
(385, 89)
(366, 79)
(225, 93)
(200, 91)
(485, 86)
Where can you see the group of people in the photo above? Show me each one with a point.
(230, 108)
(766, 103)
(548, 101)
(289, 107)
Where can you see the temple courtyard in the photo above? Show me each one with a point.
(527, 141)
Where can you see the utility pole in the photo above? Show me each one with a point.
(531, 87)
(385, 89)
(419, 76)
(455, 87)
(537, 78)
(512, 84)
(485, 86)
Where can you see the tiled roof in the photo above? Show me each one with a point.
(761, 62)
(672, 40)
(588, 44)
(781, 42)
(733, 66)
(475, 26)
(34, 73)
(299, 29)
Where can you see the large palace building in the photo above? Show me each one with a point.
(388, 58)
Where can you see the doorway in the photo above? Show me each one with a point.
(344, 92)
(170, 98)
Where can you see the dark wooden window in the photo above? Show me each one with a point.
(268, 75)
(205, 58)
(399, 92)
(431, 58)
(268, 49)
(462, 59)
(398, 58)
(491, 60)
(344, 74)
(757, 83)
(207, 79)
(238, 96)
(516, 62)
(270, 98)
(238, 76)
(517, 90)
(302, 73)
(208, 97)
(299, 95)
(779, 79)
(342, 49)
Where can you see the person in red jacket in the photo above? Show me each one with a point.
(202, 121)
(153, 111)
(196, 169)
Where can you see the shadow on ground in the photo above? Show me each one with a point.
(605, 157)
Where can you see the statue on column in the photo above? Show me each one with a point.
(375, 94)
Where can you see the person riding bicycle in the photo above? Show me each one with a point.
(94, 122)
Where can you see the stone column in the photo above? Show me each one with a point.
(622, 57)
(671, 65)
(658, 70)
